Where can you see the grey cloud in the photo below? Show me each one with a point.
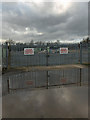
(71, 24)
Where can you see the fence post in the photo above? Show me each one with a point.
(80, 76)
(47, 79)
(47, 55)
(80, 52)
(8, 85)
(9, 55)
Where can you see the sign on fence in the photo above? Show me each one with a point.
(63, 80)
(28, 51)
(63, 50)
(29, 82)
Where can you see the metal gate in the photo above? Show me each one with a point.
(44, 55)
(45, 79)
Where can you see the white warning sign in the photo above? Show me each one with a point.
(63, 50)
(28, 51)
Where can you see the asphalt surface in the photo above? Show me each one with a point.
(51, 103)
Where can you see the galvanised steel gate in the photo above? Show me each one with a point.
(45, 79)
(44, 55)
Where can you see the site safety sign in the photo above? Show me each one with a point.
(28, 51)
(63, 50)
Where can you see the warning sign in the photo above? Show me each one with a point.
(28, 51)
(63, 80)
(29, 82)
(63, 50)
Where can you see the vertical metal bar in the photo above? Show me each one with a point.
(47, 55)
(8, 86)
(47, 64)
(80, 76)
(80, 53)
(9, 55)
(35, 79)
(6, 54)
(59, 77)
(14, 56)
(2, 50)
(2, 56)
(77, 75)
(47, 79)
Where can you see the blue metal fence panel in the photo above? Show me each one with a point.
(18, 59)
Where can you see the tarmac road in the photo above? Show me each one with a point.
(47, 103)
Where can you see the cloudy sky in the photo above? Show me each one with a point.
(45, 21)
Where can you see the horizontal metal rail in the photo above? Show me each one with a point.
(49, 86)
